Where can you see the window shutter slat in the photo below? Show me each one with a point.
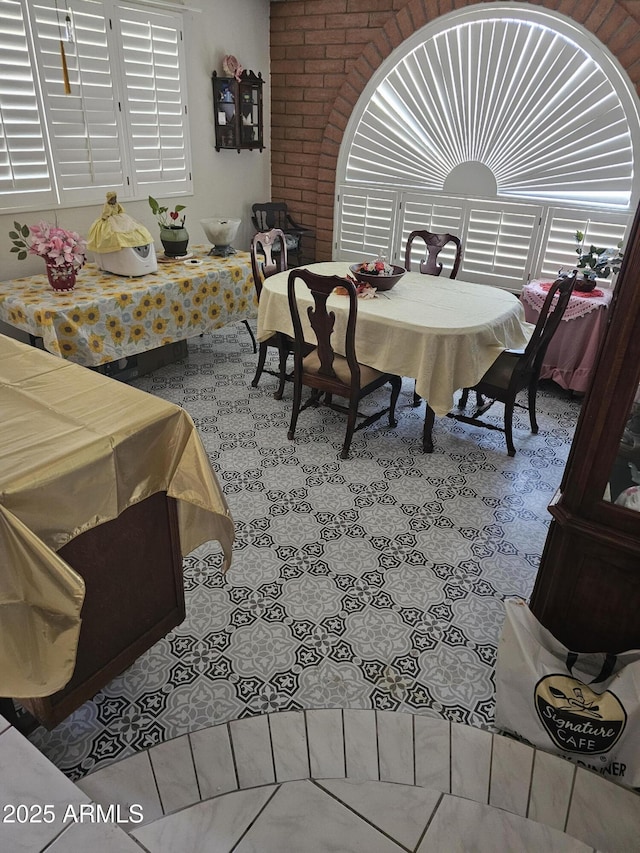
(499, 241)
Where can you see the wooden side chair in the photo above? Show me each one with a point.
(434, 243)
(515, 370)
(275, 214)
(265, 262)
(323, 369)
(429, 265)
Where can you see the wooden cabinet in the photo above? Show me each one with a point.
(238, 114)
(132, 569)
(587, 591)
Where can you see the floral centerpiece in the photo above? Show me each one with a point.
(377, 267)
(596, 262)
(64, 252)
(377, 273)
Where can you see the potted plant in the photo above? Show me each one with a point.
(62, 251)
(595, 262)
(173, 235)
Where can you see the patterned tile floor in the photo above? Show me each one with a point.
(371, 583)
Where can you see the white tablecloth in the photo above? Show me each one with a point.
(444, 333)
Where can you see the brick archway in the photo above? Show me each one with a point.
(615, 24)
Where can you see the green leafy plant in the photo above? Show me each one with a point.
(167, 218)
(596, 262)
(19, 239)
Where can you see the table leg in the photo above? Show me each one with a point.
(427, 439)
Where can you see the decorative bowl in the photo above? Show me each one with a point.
(380, 282)
(221, 231)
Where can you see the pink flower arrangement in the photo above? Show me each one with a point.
(56, 245)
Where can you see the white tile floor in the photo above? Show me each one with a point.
(326, 780)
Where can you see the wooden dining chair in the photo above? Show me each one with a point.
(429, 265)
(267, 215)
(434, 244)
(265, 262)
(323, 369)
(515, 370)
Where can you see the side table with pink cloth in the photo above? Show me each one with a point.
(571, 355)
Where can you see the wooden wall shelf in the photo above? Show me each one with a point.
(238, 112)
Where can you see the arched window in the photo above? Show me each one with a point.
(505, 124)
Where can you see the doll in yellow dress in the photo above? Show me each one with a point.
(115, 229)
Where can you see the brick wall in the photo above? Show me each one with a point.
(323, 53)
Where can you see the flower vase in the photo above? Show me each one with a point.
(175, 240)
(61, 277)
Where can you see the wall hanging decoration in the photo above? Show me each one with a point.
(67, 30)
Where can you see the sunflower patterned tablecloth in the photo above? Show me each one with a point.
(107, 317)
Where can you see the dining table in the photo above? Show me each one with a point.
(444, 333)
(108, 317)
(103, 489)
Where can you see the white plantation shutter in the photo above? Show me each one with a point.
(85, 126)
(526, 102)
(25, 166)
(500, 242)
(513, 111)
(560, 238)
(124, 124)
(152, 51)
(441, 216)
(368, 221)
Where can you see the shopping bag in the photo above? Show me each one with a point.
(585, 707)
